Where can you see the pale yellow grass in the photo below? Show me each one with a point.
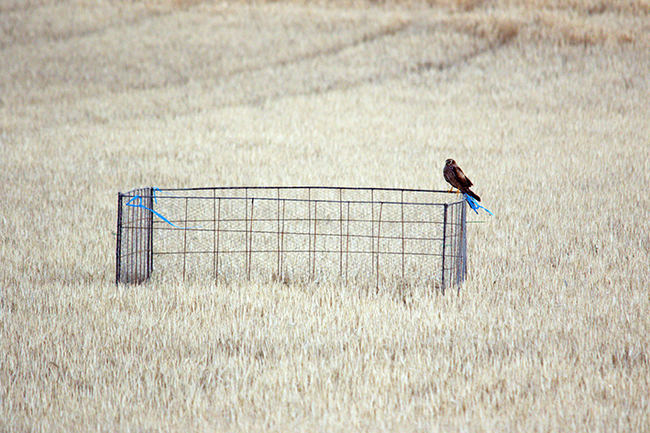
(545, 107)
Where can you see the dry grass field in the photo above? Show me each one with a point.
(545, 105)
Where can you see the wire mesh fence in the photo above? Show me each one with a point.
(369, 236)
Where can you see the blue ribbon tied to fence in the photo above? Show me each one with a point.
(474, 204)
(138, 198)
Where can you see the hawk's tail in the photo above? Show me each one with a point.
(471, 193)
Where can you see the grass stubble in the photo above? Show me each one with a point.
(545, 106)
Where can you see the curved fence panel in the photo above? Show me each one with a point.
(368, 236)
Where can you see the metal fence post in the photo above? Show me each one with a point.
(118, 247)
(444, 242)
(463, 244)
(185, 239)
(150, 236)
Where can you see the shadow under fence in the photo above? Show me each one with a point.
(364, 236)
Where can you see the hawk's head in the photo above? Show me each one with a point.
(450, 162)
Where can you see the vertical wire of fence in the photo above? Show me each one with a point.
(374, 237)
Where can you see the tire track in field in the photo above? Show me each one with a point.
(325, 52)
(379, 77)
(66, 36)
(181, 78)
(442, 65)
(147, 14)
(329, 51)
(262, 91)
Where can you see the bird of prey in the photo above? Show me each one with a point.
(457, 179)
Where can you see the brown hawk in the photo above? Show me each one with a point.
(456, 178)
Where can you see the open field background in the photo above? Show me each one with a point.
(543, 103)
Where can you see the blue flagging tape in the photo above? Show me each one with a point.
(474, 204)
(159, 215)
